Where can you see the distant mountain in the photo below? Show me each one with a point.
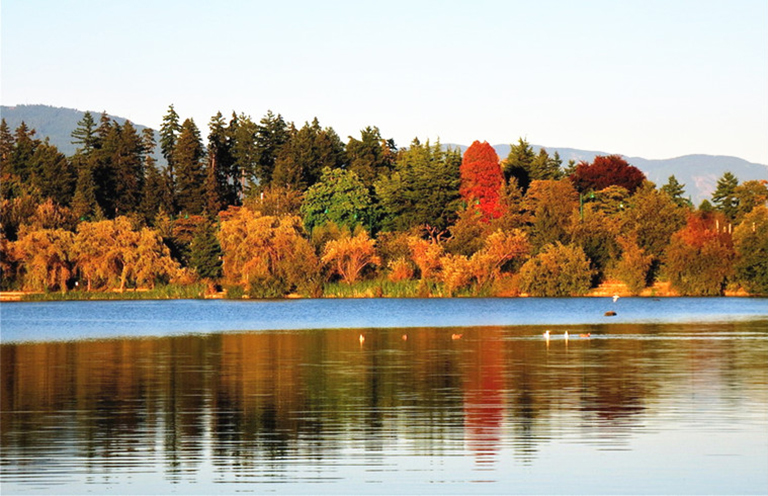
(55, 123)
(699, 173)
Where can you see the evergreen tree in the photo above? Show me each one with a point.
(245, 154)
(7, 143)
(423, 189)
(544, 167)
(370, 156)
(205, 252)
(23, 150)
(219, 167)
(84, 204)
(518, 164)
(675, 190)
(103, 166)
(272, 133)
(310, 150)
(169, 132)
(724, 198)
(84, 135)
(190, 176)
(53, 175)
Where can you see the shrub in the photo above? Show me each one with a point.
(559, 270)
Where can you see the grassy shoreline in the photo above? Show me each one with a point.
(364, 289)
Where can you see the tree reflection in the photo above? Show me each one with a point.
(251, 401)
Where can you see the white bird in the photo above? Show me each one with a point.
(566, 335)
(615, 297)
(362, 339)
(546, 335)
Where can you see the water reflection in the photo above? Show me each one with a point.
(444, 406)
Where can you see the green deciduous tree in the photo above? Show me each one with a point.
(749, 195)
(340, 197)
(750, 240)
(653, 217)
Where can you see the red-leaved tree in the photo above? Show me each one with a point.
(482, 180)
(607, 171)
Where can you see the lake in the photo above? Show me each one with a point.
(380, 396)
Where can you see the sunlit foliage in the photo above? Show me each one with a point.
(558, 270)
(350, 254)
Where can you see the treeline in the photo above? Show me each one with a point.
(266, 209)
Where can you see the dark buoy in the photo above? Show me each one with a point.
(610, 313)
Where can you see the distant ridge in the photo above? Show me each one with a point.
(55, 123)
(699, 173)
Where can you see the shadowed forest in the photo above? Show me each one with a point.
(267, 209)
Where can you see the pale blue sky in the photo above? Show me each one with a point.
(649, 78)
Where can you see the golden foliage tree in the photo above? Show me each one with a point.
(632, 268)
(700, 256)
(46, 258)
(456, 273)
(349, 255)
(426, 255)
(113, 253)
(266, 255)
(500, 248)
(558, 270)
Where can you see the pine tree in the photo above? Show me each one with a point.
(169, 131)
(724, 198)
(7, 143)
(53, 175)
(675, 190)
(23, 150)
(370, 156)
(205, 252)
(190, 176)
(84, 134)
(518, 164)
(242, 132)
(272, 133)
(219, 167)
(306, 154)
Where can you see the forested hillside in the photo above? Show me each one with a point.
(267, 208)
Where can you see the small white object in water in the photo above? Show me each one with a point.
(615, 297)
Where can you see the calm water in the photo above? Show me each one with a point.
(441, 396)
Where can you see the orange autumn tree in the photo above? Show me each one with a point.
(349, 255)
(482, 180)
(45, 256)
(113, 253)
(267, 256)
